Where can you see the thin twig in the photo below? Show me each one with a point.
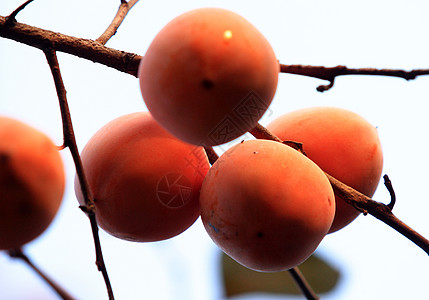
(302, 284)
(378, 210)
(18, 253)
(70, 142)
(331, 73)
(388, 185)
(123, 10)
(363, 203)
(12, 17)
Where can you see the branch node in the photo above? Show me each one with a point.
(11, 19)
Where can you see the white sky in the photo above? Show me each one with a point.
(375, 261)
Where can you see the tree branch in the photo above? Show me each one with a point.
(123, 10)
(18, 253)
(84, 48)
(330, 74)
(302, 284)
(129, 62)
(70, 142)
(363, 203)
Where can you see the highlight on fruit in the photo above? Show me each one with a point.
(208, 76)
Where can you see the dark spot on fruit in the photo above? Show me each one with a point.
(260, 234)
(207, 83)
(214, 227)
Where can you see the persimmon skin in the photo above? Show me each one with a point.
(208, 76)
(266, 205)
(340, 142)
(129, 163)
(32, 182)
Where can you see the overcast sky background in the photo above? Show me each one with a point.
(375, 261)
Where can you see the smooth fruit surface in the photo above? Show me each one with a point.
(266, 205)
(340, 142)
(32, 183)
(208, 76)
(145, 181)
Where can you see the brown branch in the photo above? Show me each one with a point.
(11, 18)
(302, 284)
(70, 142)
(18, 253)
(84, 48)
(129, 62)
(379, 211)
(260, 132)
(123, 10)
(388, 185)
(330, 74)
(364, 203)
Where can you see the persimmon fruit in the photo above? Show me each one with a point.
(266, 205)
(145, 181)
(342, 143)
(208, 76)
(32, 182)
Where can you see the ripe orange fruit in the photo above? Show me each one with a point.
(32, 182)
(145, 182)
(208, 76)
(266, 205)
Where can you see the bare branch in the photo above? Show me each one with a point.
(330, 74)
(18, 253)
(12, 17)
(389, 187)
(379, 211)
(129, 62)
(84, 48)
(302, 284)
(70, 142)
(123, 10)
(260, 132)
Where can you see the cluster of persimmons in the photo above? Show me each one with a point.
(206, 79)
